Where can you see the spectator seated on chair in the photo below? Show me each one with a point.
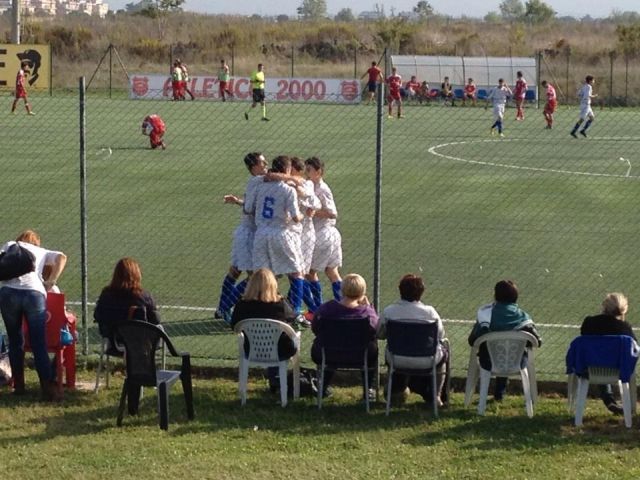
(610, 322)
(354, 304)
(502, 315)
(262, 300)
(411, 88)
(423, 92)
(446, 92)
(470, 92)
(121, 296)
(410, 309)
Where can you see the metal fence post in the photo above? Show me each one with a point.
(83, 216)
(378, 199)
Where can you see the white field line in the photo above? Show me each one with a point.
(433, 151)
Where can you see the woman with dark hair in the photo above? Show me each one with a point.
(26, 296)
(610, 322)
(124, 299)
(410, 309)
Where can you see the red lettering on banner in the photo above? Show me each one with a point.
(349, 90)
(208, 84)
(238, 87)
(140, 86)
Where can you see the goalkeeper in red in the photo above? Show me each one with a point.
(153, 127)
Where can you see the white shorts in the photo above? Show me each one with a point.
(328, 249)
(277, 250)
(586, 112)
(307, 245)
(241, 251)
(498, 112)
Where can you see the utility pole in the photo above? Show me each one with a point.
(15, 26)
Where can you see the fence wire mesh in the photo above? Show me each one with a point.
(459, 206)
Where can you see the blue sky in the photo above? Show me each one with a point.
(575, 8)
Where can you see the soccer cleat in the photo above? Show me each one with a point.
(33, 113)
(501, 135)
(583, 133)
(246, 116)
(265, 119)
(573, 134)
(492, 131)
(390, 117)
(302, 321)
(400, 116)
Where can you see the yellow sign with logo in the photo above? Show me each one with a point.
(37, 58)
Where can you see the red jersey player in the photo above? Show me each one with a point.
(154, 127)
(551, 104)
(375, 76)
(394, 82)
(21, 91)
(519, 93)
(470, 92)
(412, 87)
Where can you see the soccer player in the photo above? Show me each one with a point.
(552, 103)
(446, 92)
(498, 97)
(276, 244)
(153, 126)
(519, 93)
(470, 92)
(394, 81)
(375, 77)
(585, 94)
(176, 81)
(242, 248)
(308, 203)
(327, 253)
(21, 90)
(185, 80)
(223, 80)
(257, 85)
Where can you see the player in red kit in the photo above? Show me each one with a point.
(153, 126)
(21, 91)
(519, 93)
(375, 76)
(394, 82)
(551, 104)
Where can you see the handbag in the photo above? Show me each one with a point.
(66, 337)
(15, 261)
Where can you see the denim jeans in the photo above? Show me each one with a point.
(14, 305)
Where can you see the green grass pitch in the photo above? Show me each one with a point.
(465, 209)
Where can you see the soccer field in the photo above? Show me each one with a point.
(465, 209)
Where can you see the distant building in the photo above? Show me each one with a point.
(59, 7)
(372, 15)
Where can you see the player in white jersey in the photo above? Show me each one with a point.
(241, 259)
(308, 203)
(276, 244)
(585, 94)
(327, 253)
(498, 97)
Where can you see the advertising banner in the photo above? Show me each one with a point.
(38, 58)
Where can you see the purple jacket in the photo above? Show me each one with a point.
(333, 309)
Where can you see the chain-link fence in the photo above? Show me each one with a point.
(459, 206)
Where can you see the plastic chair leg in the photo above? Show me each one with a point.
(572, 386)
(485, 378)
(366, 382)
(282, 371)
(526, 388)
(625, 394)
(434, 389)
(187, 388)
(581, 399)
(531, 371)
(389, 384)
(243, 380)
(296, 376)
(321, 384)
(472, 377)
(163, 405)
(70, 365)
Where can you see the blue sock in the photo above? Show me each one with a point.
(238, 291)
(576, 127)
(295, 293)
(316, 291)
(226, 295)
(499, 125)
(336, 287)
(586, 125)
(307, 296)
(494, 125)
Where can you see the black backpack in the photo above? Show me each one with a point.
(16, 261)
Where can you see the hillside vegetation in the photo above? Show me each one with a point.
(320, 48)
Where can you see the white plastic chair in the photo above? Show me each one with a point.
(578, 386)
(262, 335)
(505, 350)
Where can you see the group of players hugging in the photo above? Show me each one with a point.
(288, 225)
